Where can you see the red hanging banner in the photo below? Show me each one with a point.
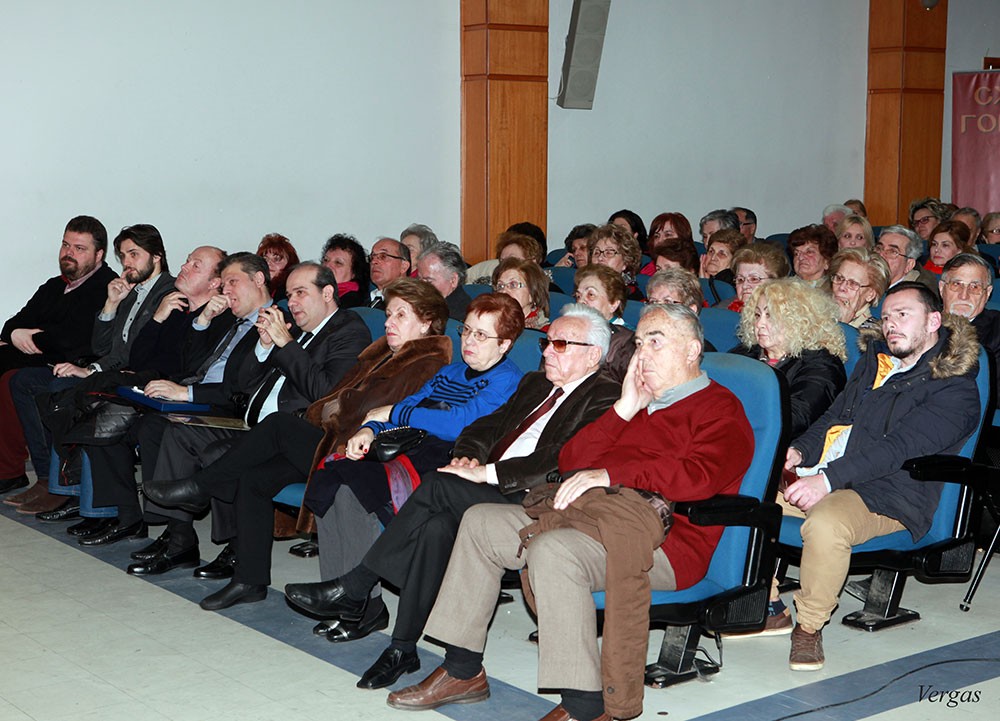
(975, 140)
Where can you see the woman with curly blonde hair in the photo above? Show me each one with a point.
(793, 328)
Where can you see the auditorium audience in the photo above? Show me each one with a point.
(280, 255)
(812, 247)
(344, 255)
(857, 280)
(854, 231)
(755, 264)
(948, 239)
(525, 282)
(793, 328)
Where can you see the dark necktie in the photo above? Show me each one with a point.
(215, 354)
(504, 443)
(253, 412)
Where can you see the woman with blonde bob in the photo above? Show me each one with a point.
(793, 328)
(857, 280)
(854, 231)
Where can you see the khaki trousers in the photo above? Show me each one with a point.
(831, 527)
(564, 566)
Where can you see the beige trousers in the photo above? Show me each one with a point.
(564, 565)
(832, 526)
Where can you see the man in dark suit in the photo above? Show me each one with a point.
(442, 265)
(282, 373)
(496, 459)
(55, 325)
(131, 301)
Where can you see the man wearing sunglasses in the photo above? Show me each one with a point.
(496, 460)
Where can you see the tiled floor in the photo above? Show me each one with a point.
(80, 639)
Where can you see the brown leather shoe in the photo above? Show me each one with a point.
(44, 503)
(561, 714)
(439, 689)
(35, 492)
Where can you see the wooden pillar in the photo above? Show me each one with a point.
(906, 54)
(505, 49)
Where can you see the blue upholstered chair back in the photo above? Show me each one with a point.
(526, 353)
(633, 309)
(943, 524)
(556, 303)
(853, 352)
(720, 327)
(476, 289)
(721, 291)
(374, 319)
(758, 389)
(563, 277)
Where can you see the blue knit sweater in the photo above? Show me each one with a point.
(453, 399)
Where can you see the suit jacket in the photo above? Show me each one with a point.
(112, 352)
(584, 405)
(312, 371)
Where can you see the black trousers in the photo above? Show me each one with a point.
(113, 466)
(413, 552)
(275, 453)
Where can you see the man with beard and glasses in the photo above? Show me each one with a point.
(54, 326)
(130, 302)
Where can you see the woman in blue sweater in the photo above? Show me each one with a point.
(352, 498)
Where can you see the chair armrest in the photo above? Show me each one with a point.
(729, 510)
(950, 469)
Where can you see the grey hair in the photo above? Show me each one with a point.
(969, 211)
(450, 257)
(963, 259)
(598, 329)
(677, 313)
(914, 243)
(681, 280)
(725, 219)
(836, 208)
(426, 235)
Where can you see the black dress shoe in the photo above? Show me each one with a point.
(326, 599)
(223, 566)
(306, 549)
(66, 512)
(164, 563)
(347, 631)
(392, 664)
(12, 484)
(232, 594)
(154, 549)
(117, 533)
(90, 527)
(184, 493)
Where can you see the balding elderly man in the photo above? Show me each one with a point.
(388, 261)
(673, 434)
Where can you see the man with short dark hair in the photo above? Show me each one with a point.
(54, 326)
(748, 223)
(913, 393)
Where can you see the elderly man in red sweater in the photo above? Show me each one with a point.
(673, 434)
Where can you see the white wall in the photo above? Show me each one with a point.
(710, 104)
(973, 33)
(220, 121)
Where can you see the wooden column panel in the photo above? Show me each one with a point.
(504, 119)
(906, 76)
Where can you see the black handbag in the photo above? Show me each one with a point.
(394, 442)
(101, 419)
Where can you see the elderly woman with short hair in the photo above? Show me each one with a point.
(614, 246)
(857, 280)
(525, 282)
(812, 248)
(752, 265)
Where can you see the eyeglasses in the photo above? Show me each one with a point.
(558, 344)
(606, 253)
(888, 251)
(478, 335)
(591, 295)
(975, 288)
(994, 231)
(383, 256)
(749, 280)
(745, 223)
(513, 285)
(923, 221)
(849, 283)
(662, 301)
